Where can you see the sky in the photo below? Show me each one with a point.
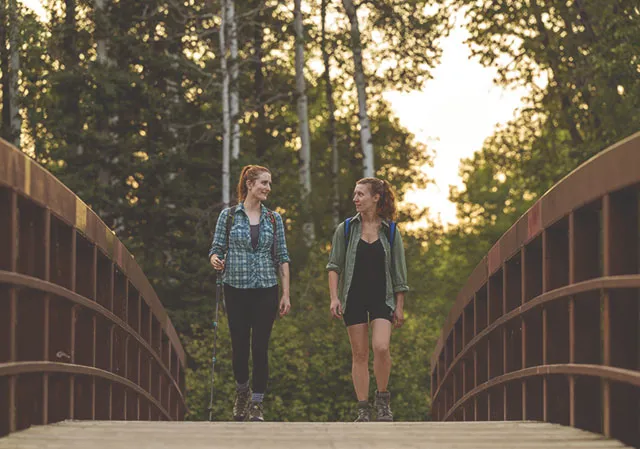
(453, 115)
(36, 6)
(456, 111)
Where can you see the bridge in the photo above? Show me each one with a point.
(541, 347)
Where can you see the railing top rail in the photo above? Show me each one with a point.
(613, 169)
(18, 171)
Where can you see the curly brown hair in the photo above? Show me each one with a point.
(248, 173)
(386, 207)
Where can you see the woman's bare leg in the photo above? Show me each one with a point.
(359, 338)
(381, 355)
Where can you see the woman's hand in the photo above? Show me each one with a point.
(285, 305)
(216, 262)
(336, 308)
(398, 316)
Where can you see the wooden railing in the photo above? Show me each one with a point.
(547, 327)
(82, 333)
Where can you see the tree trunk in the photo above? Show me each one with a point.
(332, 135)
(104, 120)
(102, 49)
(235, 97)
(260, 134)
(303, 121)
(70, 88)
(5, 130)
(226, 121)
(14, 71)
(365, 127)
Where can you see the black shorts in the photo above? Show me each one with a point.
(362, 309)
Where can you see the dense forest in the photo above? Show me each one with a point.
(148, 109)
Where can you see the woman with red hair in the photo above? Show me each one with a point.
(249, 247)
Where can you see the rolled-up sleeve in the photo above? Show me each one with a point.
(220, 235)
(336, 257)
(399, 269)
(282, 253)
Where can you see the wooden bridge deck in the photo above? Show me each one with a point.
(196, 435)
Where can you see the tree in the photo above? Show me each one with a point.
(584, 107)
(14, 39)
(258, 81)
(10, 67)
(70, 59)
(102, 47)
(331, 109)
(235, 97)
(226, 119)
(304, 153)
(569, 44)
(359, 77)
(4, 68)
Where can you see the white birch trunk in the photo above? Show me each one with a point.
(101, 44)
(333, 138)
(226, 121)
(365, 127)
(235, 96)
(303, 121)
(14, 70)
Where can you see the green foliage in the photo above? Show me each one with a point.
(577, 60)
(576, 57)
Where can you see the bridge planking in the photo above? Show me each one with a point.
(272, 435)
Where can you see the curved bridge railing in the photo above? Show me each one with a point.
(82, 333)
(547, 326)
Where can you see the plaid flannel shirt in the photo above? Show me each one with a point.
(244, 266)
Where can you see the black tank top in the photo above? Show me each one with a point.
(255, 233)
(369, 273)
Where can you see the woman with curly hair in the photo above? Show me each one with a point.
(367, 284)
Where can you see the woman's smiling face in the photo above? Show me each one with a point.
(261, 187)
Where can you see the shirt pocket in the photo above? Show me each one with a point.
(238, 236)
(266, 234)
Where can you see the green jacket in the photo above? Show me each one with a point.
(342, 260)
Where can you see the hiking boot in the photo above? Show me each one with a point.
(256, 412)
(241, 405)
(364, 413)
(383, 406)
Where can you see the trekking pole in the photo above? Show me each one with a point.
(215, 338)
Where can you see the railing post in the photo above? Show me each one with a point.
(13, 307)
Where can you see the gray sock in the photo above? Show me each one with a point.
(363, 404)
(242, 387)
(257, 397)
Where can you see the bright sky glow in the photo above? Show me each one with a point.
(36, 5)
(458, 109)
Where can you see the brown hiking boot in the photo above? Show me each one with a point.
(256, 412)
(241, 405)
(383, 406)
(364, 413)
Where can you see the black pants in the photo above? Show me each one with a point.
(251, 314)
